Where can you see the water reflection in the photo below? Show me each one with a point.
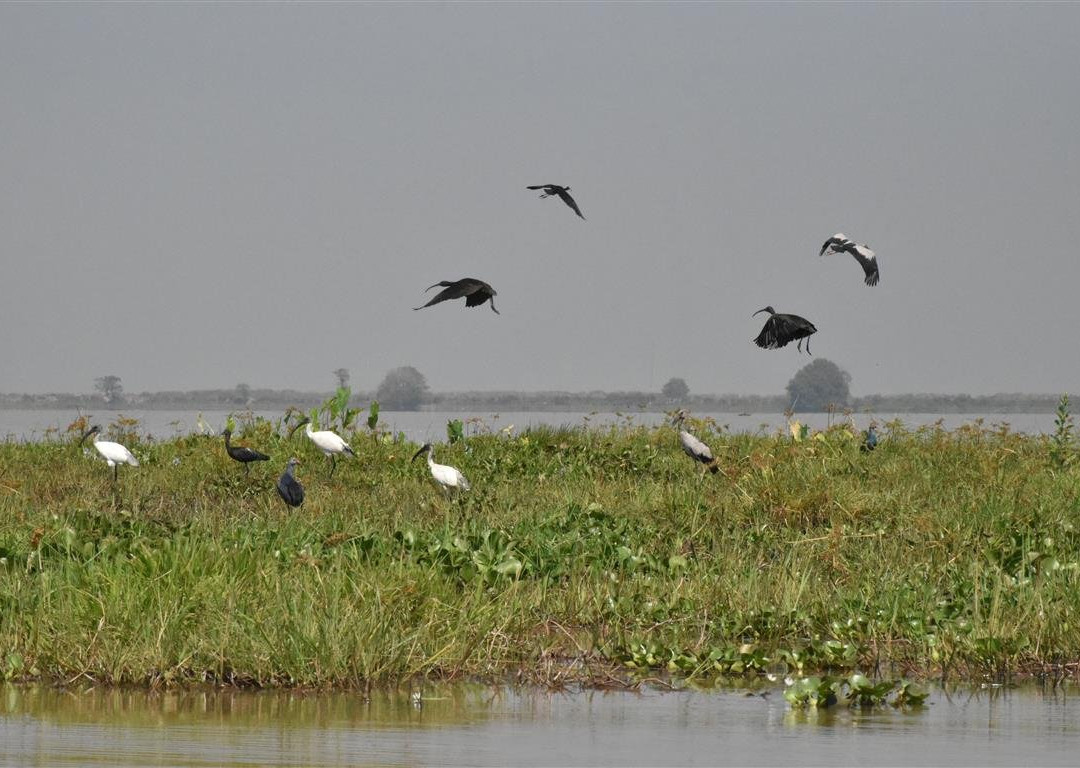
(473, 725)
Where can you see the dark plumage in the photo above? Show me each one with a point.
(476, 292)
(241, 453)
(869, 440)
(780, 329)
(288, 487)
(839, 243)
(562, 192)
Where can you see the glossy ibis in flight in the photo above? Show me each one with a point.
(780, 329)
(242, 453)
(476, 292)
(288, 487)
(328, 442)
(446, 476)
(839, 243)
(113, 453)
(562, 192)
(693, 447)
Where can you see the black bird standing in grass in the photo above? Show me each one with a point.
(562, 192)
(241, 453)
(839, 243)
(476, 292)
(780, 329)
(288, 487)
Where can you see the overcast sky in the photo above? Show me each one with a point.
(199, 195)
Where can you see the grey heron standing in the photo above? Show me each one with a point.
(693, 447)
(780, 329)
(562, 192)
(113, 453)
(288, 487)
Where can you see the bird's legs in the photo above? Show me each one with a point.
(333, 464)
(115, 469)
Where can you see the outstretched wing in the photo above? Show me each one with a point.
(570, 201)
(539, 186)
(450, 291)
(770, 336)
(868, 261)
(836, 242)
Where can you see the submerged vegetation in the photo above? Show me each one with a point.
(579, 555)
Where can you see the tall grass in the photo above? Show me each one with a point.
(577, 554)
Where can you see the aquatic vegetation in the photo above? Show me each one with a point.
(579, 553)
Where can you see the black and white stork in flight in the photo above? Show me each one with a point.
(779, 329)
(839, 243)
(562, 192)
(476, 292)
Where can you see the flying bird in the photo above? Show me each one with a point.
(780, 329)
(113, 453)
(326, 441)
(562, 192)
(476, 292)
(839, 243)
(446, 476)
(241, 453)
(288, 487)
(693, 447)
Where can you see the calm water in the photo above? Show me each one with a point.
(465, 725)
(424, 426)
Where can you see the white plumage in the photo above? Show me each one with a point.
(326, 441)
(113, 453)
(446, 476)
(693, 447)
(841, 243)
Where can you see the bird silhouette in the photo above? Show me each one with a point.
(780, 329)
(840, 243)
(476, 292)
(562, 192)
(288, 487)
(242, 453)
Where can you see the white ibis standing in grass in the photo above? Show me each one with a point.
(779, 329)
(693, 447)
(113, 453)
(476, 292)
(562, 192)
(326, 441)
(288, 487)
(242, 453)
(448, 478)
(840, 243)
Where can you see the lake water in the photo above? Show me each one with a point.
(473, 725)
(425, 426)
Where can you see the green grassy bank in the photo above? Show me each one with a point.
(577, 555)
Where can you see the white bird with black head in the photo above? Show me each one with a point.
(331, 444)
(113, 453)
(449, 478)
(692, 446)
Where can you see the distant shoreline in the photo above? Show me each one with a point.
(629, 402)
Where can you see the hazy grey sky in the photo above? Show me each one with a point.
(199, 195)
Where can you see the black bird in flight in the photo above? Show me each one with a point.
(562, 192)
(780, 329)
(476, 292)
(241, 453)
(288, 487)
(839, 243)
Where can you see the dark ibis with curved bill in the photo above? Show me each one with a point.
(242, 453)
(475, 292)
(563, 194)
(780, 329)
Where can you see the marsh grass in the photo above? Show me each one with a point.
(580, 555)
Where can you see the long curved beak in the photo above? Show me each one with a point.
(86, 435)
(418, 454)
(763, 309)
(298, 425)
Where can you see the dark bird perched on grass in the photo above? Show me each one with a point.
(562, 192)
(693, 447)
(780, 329)
(288, 487)
(476, 292)
(839, 243)
(241, 453)
(869, 442)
